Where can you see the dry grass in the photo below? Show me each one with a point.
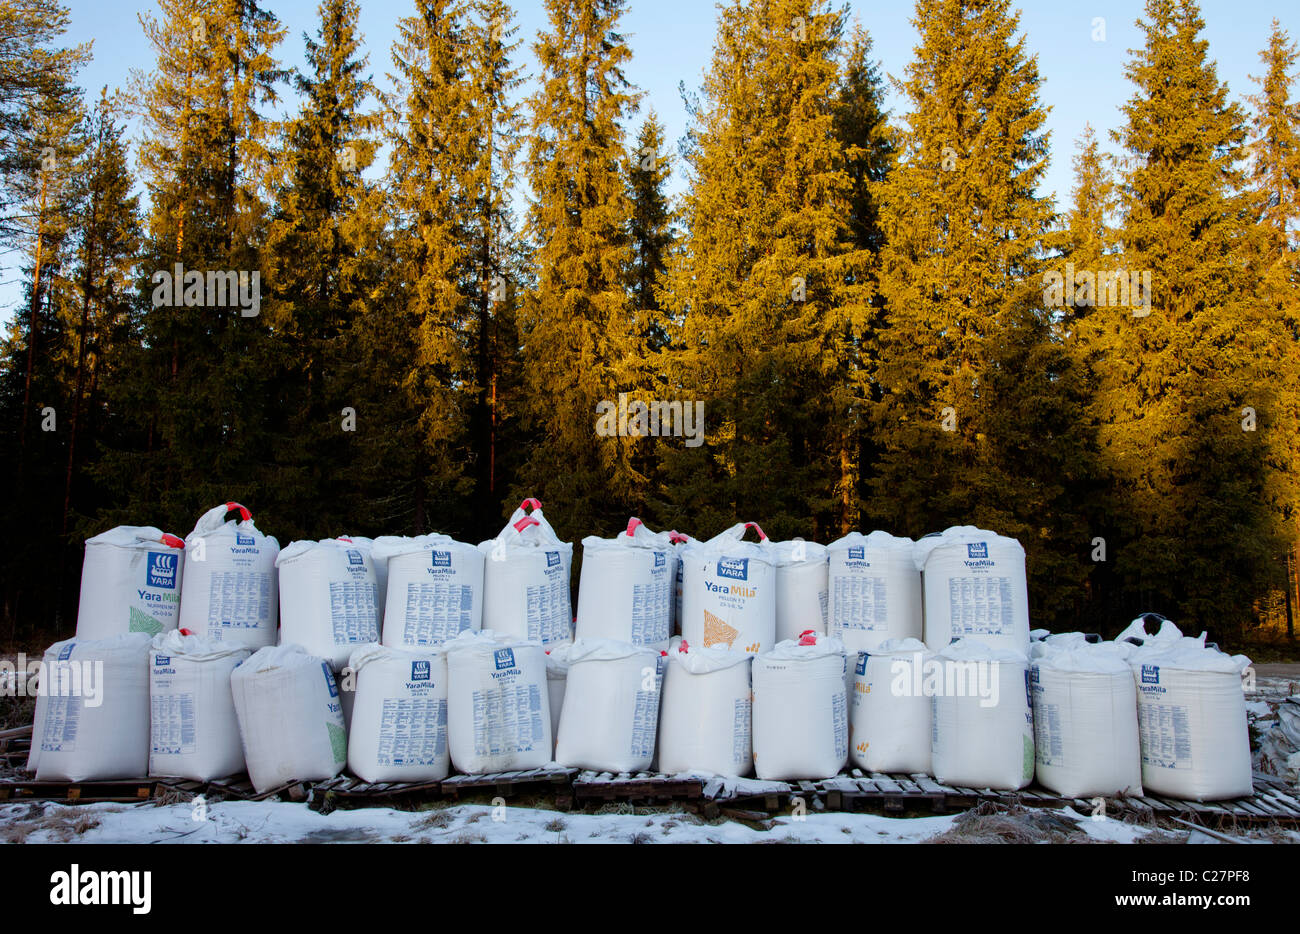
(990, 822)
(56, 824)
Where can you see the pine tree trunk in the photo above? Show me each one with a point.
(36, 304)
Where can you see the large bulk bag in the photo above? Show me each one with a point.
(889, 717)
(498, 715)
(729, 592)
(800, 722)
(92, 712)
(1192, 721)
(557, 678)
(874, 590)
(1085, 719)
(611, 706)
(230, 591)
(290, 717)
(526, 580)
(704, 724)
(435, 589)
(193, 730)
(625, 591)
(399, 716)
(678, 540)
(130, 582)
(975, 588)
(983, 730)
(801, 581)
(329, 600)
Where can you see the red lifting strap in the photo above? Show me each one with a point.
(244, 514)
(525, 522)
(531, 503)
(172, 541)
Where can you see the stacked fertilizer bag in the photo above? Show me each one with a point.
(890, 712)
(398, 731)
(130, 582)
(194, 731)
(704, 723)
(1191, 715)
(801, 579)
(367, 546)
(290, 717)
(526, 579)
(874, 590)
(435, 589)
(92, 711)
(800, 717)
(498, 713)
(611, 706)
(229, 592)
(329, 598)
(974, 588)
(625, 591)
(983, 732)
(729, 592)
(1085, 718)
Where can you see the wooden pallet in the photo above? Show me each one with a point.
(15, 745)
(647, 787)
(124, 790)
(349, 791)
(236, 788)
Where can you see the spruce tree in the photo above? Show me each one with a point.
(580, 345)
(651, 228)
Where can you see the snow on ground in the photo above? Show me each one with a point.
(284, 822)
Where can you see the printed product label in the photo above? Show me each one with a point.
(62, 717)
(172, 724)
(741, 749)
(436, 611)
(240, 600)
(645, 717)
(980, 606)
(860, 603)
(1166, 735)
(651, 612)
(507, 719)
(412, 730)
(354, 611)
(546, 604)
(841, 720)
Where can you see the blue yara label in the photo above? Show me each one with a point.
(505, 658)
(442, 559)
(735, 568)
(242, 539)
(857, 553)
(660, 559)
(552, 559)
(977, 550)
(355, 559)
(161, 661)
(862, 663)
(420, 671)
(65, 653)
(162, 569)
(1150, 674)
(329, 679)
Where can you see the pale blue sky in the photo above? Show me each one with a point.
(672, 41)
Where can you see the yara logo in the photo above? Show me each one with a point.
(75, 887)
(217, 289)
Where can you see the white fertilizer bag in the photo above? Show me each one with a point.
(498, 715)
(399, 717)
(875, 590)
(290, 717)
(1085, 719)
(679, 541)
(194, 732)
(704, 725)
(611, 707)
(1192, 721)
(983, 731)
(801, 581)
(526, 580)
(889, 717)
(230, 591)
(800, 722)
(975, 588)
(130, 582)
(625, 591)
(435, 589)
(729, 592)
(329, 599)
(92, 712)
